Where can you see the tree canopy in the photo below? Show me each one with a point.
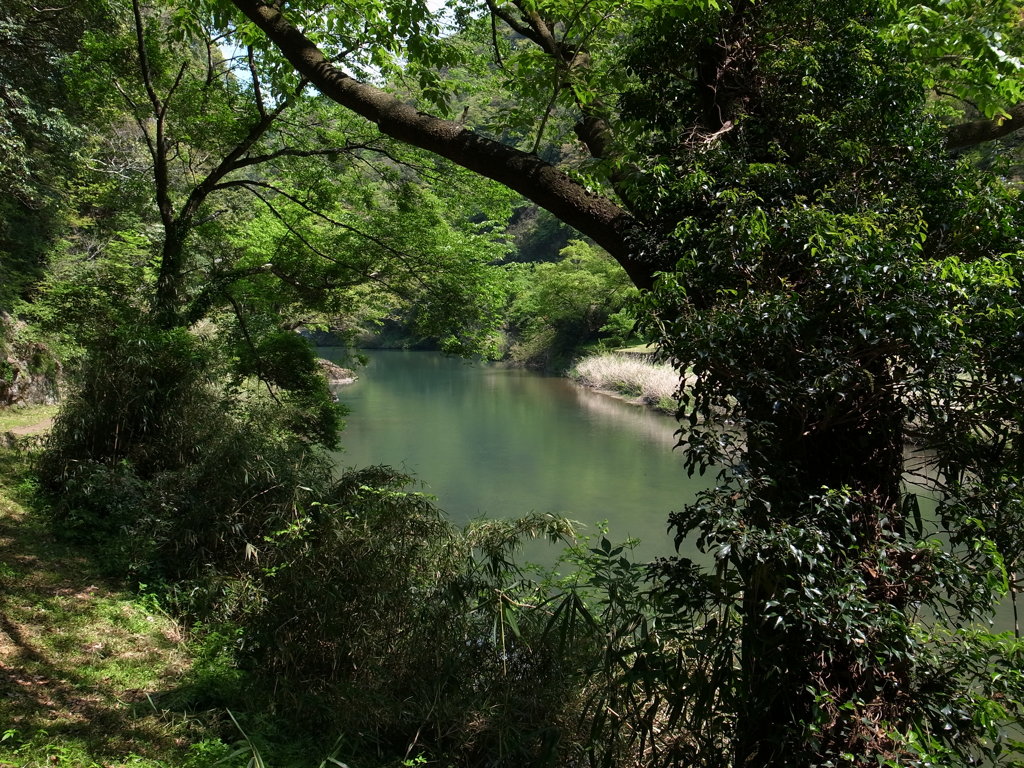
(784, 178)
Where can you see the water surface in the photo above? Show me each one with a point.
(498, 442)
(491, 441)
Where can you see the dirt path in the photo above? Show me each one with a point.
(33, 429)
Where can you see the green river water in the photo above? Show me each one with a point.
(491, 441)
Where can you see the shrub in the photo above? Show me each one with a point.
(406, 638)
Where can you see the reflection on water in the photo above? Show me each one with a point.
(646, 424)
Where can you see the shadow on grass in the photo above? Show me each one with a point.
(79, 660)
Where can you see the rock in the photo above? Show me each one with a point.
(335, 373)
(28, 370)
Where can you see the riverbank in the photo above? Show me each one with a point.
(81, 660)
(630, 377)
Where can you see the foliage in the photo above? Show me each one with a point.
(559, 307)
(178, 311)
(837, 282)
(150, 436)
(35, 132)
(968, 49)
(834, 279)
(400, 639)
(35, 44)
(87, 648)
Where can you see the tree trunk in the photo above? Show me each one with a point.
(788, 660)
(168, 300)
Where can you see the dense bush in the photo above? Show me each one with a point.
(374, 619)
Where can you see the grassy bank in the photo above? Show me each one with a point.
(633, 377)
(93, 674)
(24, 419)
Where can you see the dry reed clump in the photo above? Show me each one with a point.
(630, 375)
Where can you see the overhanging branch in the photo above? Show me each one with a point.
(595, 216)
(979, 131)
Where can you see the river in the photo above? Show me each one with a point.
(498, 442)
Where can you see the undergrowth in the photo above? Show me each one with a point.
(329, 617)
(95, 673)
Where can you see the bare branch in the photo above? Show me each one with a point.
(138, 120)
(298, 235)
(249, 342)
(200, 305)
(257, 90)
(546, 116)
(140, 45)
(289, 152)
(494, 42)
(158, 145)
(173, 88)
(319, 214)
(400, 256)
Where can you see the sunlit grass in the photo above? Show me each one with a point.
(629, 375)
(94, 675)
(81, 659)
(17, 416)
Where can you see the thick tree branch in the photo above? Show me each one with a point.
(231, 161)
(979, 131)
(596, 216)
(517, 26)
(593, 129)
(172, 89)
(542, 31)
(140, 47)
(254, 74)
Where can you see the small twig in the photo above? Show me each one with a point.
(494, 42)
(257, 89)
(547, 114)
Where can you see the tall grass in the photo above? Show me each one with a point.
(630, 375)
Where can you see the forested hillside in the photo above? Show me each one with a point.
(810, 208)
